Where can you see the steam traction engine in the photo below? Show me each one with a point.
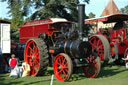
(110, 43)
(58, 40)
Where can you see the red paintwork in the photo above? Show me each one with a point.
(33, 28)
(122, 43)
(118, 36)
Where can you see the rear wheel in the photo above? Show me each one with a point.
(101, 45)
(63, 67)
(93, 68)
(36, 55)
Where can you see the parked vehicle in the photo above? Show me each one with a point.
(110, 43)
(57, 40)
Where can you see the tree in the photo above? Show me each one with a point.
(43, 9)
(91, 15)
(18, 10)
(124, 10)
(56, 8)
(90, 26)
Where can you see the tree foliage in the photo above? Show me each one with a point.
(16, 12)
(42, 9)
(91, 15)
(124, 10)
(56, 9)
(14, 35)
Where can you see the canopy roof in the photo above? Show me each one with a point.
(45, 21)
(108, 19)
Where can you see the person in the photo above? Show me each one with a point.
(5, 63)
(126, 61)
(13, 62)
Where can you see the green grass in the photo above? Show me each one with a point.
(110, 75)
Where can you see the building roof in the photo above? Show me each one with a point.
(4, 21)
(110, 9)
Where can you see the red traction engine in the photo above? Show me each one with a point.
(111, 43)
(57, 40)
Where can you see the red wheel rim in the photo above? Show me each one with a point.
(98, 46)
(32, 56)
(90, 71)
(61, 68)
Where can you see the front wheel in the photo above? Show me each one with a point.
(63, 67)
(93, 68)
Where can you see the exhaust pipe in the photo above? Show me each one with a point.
(81, 14)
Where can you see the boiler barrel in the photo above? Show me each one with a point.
(76, 49)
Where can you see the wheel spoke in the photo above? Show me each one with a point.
(36, 56)
(93, 45)
(30, 48)
(34, 47)
(32, 70)
(64, 60)
(60, 71)
(60, 60)
(98, 42)
(29, 56)
(36, 50)
(64, 75)
(36, 63)
(101, 51)
(31, 51)
(66, 70)
(58, 63)
(100, 47)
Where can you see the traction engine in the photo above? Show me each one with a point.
(57, 41)
(110, 43)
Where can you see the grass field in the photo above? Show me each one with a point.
(110, 75)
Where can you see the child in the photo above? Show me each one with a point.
(13, 62)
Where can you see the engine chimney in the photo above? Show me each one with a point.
(81, 14)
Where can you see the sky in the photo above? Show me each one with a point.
(95, 6)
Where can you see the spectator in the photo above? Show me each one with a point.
(126, 61)
(5, 64)
(13, 62)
